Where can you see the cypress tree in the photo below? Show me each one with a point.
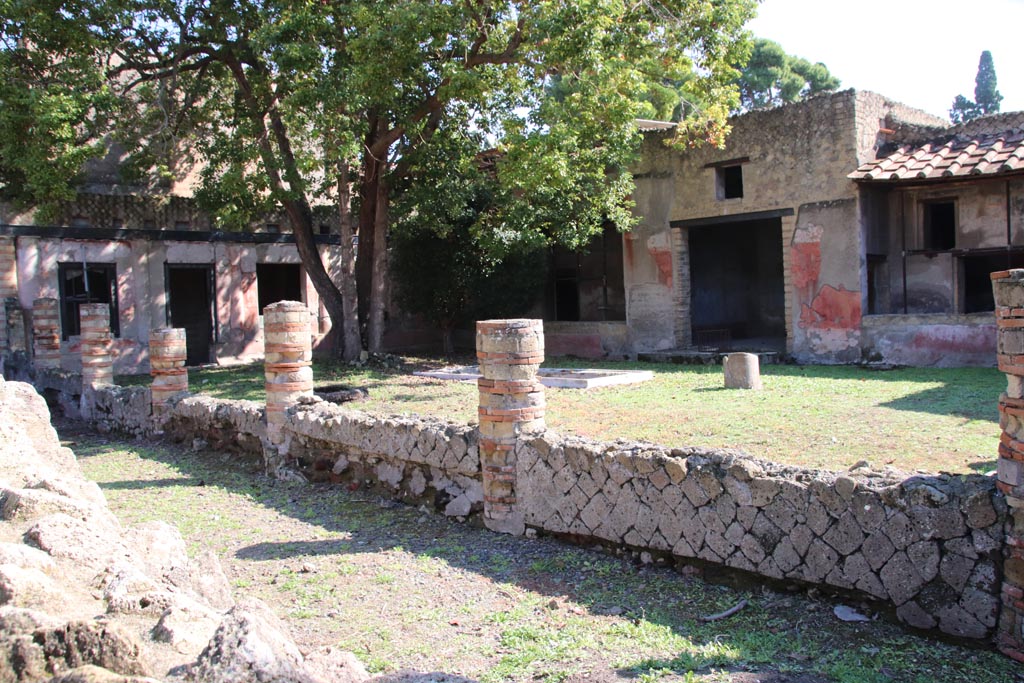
(986, 96)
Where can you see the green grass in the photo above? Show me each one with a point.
(828, 417)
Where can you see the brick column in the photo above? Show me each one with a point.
(97, 356)
(167, 365)
(8, 286)
(45, 334)
(511, 404)
(1008, 288)
(288, 357)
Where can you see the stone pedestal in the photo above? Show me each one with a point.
(1008, 288)
(511, 404)
(45, 334)
(288, 357)
(16, 338)
(97, 351)
(167, 354)
(742, 371)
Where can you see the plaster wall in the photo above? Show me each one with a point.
(142, 295)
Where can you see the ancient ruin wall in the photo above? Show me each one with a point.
(929, 545)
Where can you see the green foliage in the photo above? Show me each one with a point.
(772, 77)
(441, 268)
(987, 97)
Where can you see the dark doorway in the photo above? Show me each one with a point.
(588, 285)
(278, 282)
(736, 284)
(190, 306)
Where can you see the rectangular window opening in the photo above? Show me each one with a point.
(278, 282)
(729, 181)
(95, 283)
(939, 233)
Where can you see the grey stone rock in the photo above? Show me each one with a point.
(845, 486)
(900, 578)
(79, 643)
(782, 514)
(785, 556)
(739, 491)
(868, 509)
(209, 582)
(819, 561)
(877, 549)
(735, 534)
(250, 645)
(925, 556)
(818, 519)
(186, 625)
(984, 577)
(981, 605)
(460, 506)
(900, 530)
(955, 570)
(26, 557)
(912, 614)
(96, 674)
(957, 621)
(89, 544)
(726, 508)
(27, 587)
(767, 534)
(752, 549)
(845, 535)
(745, 515)
(979, 510)
(763, 491)
(801, 537)
(942, 522)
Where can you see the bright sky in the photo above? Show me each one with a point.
(922, 53)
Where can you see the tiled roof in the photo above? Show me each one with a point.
(953, 156)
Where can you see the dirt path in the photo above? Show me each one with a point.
(404, 588)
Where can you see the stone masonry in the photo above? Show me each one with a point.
(1008, 288)
(289, 376)
(511, 405)
(929, 545)
(45, 333)
(167, 364)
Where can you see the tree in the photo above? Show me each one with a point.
(986, 97)
(772, 77)
(296, 104)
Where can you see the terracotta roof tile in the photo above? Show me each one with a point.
(952, 156)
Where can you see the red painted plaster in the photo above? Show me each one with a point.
(663, 259)
(580, 345)
(832, 309)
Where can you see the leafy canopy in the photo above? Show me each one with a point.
(772, 77)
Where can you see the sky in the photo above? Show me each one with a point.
(922, 53)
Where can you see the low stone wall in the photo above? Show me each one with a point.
(937, 340)
(416, 459)
(929, 545)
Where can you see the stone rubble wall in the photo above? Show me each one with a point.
(929, 545)
(416, 459)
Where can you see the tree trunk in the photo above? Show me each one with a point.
(352, 343)
(378, 282)
(301, 219)
(372, 169)
(447, 338)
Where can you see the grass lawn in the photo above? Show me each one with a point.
(828, 417)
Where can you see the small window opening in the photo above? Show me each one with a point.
(182, 225)
(730, 182)
(273, 228)
(149, 224)
(278, 282)
(325, 229)
(939, 225)
(95, 283)
(79, 222)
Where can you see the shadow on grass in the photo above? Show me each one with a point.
(781, 638)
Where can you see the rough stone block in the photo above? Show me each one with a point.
(742, 371)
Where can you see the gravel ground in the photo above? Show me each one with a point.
(404, 588)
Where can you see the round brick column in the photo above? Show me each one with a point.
(511, 404)
(288, 356)
(1008, 288)
(45, 334)
(97, 356)
(167, 365)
